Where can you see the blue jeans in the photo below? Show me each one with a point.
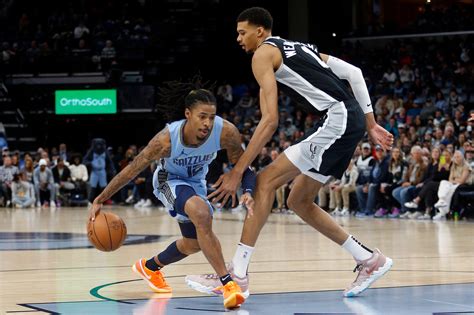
(367, 201)
(404, 194)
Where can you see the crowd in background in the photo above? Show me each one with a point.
(421, 90)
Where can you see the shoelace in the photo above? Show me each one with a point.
(357, 268)
(229, 285)
(211, 276)
(160, 275)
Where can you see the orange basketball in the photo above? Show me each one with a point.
(107, 232)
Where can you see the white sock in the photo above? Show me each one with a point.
(359, 251)
(241, 259)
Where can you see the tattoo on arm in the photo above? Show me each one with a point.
(230, 140)
(157, 148)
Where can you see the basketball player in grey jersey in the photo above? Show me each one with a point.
(315, 79)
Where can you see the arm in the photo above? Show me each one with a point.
(262, 67)
(157, 148)
(231, 142)
(464, 176)
(353, 75)
(85, 175)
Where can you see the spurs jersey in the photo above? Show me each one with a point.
(305, 77)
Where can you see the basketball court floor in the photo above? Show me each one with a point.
(48, 267)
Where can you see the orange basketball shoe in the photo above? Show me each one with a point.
(154, 279)
(232, 294)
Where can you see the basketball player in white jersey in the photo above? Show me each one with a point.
(314, 79)
(185, 148)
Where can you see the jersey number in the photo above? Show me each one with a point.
(193, 170)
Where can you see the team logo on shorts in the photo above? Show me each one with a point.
(314, 149)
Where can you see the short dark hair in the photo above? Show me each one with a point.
(257, 16)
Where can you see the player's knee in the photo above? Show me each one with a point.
(298, 202)
(198, 211)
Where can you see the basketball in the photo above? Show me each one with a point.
(107, 232)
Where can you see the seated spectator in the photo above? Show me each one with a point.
(368, 193)
(342, 190)
(414, 176)
(459, 174)
(144, 188)
(125, 196)
(280, 192)
(438, 170)
(325, 191)
(458, 204)
(44, 185)
(23, 194)
(107, 55)
(397, 170)
(7, 172)
(62, 179)
(79, 174)
(28, 169)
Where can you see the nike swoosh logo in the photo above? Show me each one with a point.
(368, 105)
(144, 273)
(224, 279)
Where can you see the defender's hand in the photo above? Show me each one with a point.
(227, 186)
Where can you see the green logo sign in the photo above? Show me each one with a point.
(86, 102)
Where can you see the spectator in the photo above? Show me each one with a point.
(458, 175)
(144, 188)
(107, 55)
(389, 76)
(63, 152)
(368, 193)
(346, 186)
(7, 172)
(62, 180)
(441, 103)
(428, 110)
(364, 164)
(28, 169)
(44, 185)
(81, 31)
(427, 197)
(280, 192)
(414, 176)
(406, 74)
(23, 195)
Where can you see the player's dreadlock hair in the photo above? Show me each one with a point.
(175, 96)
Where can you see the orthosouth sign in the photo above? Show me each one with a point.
(85, 102)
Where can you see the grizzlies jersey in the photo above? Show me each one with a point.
(191, 163)
(305, 77)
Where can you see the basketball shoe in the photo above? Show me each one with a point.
(211, 284)
(369, 271)
(232, 294)
(154, 279)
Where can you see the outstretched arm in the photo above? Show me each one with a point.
(231, 142)
(354, 76)
(262, 67)
(157, 148)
